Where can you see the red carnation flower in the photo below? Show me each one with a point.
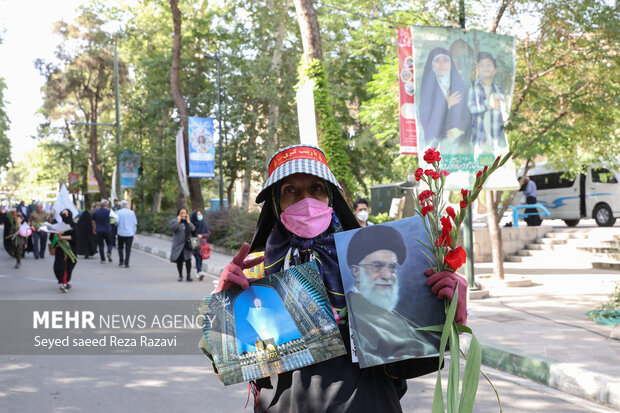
(431, 155)
(444, 173)
(425, 194)
(418, 174)
(435, 175)
(478, 174)
(463, 204)
(426, 209)
(446, 225)
(464, 193)
(455, 258)
(450, 212)
(444, 240)
(429, 172)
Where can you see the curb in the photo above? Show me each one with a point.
(566, 377)
(165, 254)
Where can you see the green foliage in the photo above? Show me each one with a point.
(231, 227)
(328, 130)
(155, 223)
(380, 218)
(5, 143)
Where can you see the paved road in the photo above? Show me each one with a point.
(172, 383)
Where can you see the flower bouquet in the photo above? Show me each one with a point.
(443, 232)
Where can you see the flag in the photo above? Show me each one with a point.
(64, 201)
(408, 136)
(129, 169)
(181, 162)
(201, 147)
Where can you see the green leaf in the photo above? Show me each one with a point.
(471, 375)
(454, 371)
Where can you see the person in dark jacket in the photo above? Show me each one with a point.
(202, 231)
(181, 250)
(63, 263)
(88, 241)
(303, 208)
(7, 219)
(102, 228)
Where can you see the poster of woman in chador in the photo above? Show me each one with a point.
(463, 89)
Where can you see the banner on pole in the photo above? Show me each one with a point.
(129, 169)
(201, 147)
(408, 138)
(73, 181)
(463, 92)
(113, 192)
(181, 162)
(306, 115)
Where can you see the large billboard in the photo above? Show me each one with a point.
(463, 93)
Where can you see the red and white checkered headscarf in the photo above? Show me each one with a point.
(296, 159)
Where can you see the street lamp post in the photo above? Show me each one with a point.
(117, 120)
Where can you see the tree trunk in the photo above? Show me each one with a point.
(195, 193)
(247, 174)
(158, 197)
(93, 158)
(329, 133)
(495, 233)
(271, 143)
(309, 28)
(229, 191)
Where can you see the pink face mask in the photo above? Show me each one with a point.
(307, 218)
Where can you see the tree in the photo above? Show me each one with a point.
(311, 68)
(79, 84)
(564, 105)
(5, 143)
(195, 193)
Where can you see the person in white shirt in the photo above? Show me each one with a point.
(127, 224)
(361, 210)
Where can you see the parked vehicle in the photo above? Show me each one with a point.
(595, 194)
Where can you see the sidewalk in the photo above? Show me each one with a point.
(539, 332)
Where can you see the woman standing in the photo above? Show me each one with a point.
(202, 231)
(64, 262)
(181, 251)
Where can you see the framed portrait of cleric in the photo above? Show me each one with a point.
(382, 268)
(281, 322)
(463, 92)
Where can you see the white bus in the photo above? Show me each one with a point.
(595, 194)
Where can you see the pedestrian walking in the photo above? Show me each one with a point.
(64, 256)
(181, 251)
(8, 221)
(115, 208)
(87, 244)
(39, 238)
(127, 224)
(20, 238)
(202, 231)
(103, 229)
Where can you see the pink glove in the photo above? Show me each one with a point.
(443, 284)
(233, 272)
